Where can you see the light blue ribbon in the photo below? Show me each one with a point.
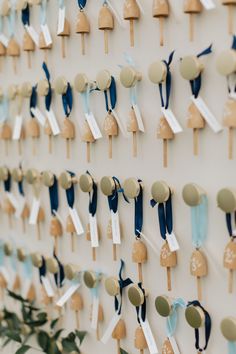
(86, 100)
(28, 267)
(3, 109)
(61, 3)
(13, 260)
(43, 12)
(199, 222)
(1, 254)
(171, 322)
(1, 23)
(133, 90)
(12, 19)
(231, 347)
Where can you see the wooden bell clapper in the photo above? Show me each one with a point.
(33, 127)
(63, 26)
(9, 205)
(231, 6)
(88, 185)
(226, 201)
(105, 22)
(63, 88)
(45, 39)
(37, 215)
(129, 77)
(197, 317)
(133, 188)
(226, 66)
(82, 24)
(192, 8)
(13, 48)
(28, 290)
(116, 328)
(111, 188)
(56, 228)
(91, 131)
(228, 330)
(168, 308)
(160, 10)
(191, 68)
(160, 74)
(92, 281)
(18, 133)
(23, 210)
(195, 197)
(74, 226)
(162, 195)
(107, 84)
(131, 13)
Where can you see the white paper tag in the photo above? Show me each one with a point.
(95, 309)
(139, 118)
(149, 336)
(46, 34)
(115, 225)
(234, 232)
(208, 4)
(34, 212)
(53, 122)
(4, 40)
(206, 113)
(112, 324)
(47, 286)
(26, 286)
(174, 345)
(120, 123)
(69, 292)
(13, 200)
(172, 242)
(93, 125)
(172, 121)
(39, 115)
(76, 221)
(17, 128)
(21, 205)
(61, 20)
(33, 34)
(93, 230)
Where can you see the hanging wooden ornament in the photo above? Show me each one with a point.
(140, 342)
(88, 138)
(165, 133)
(8, 207)
(119, 333)
(230, 6)
(192, 7)
(77, 305)
(131, 13)
(2, 55)
(33, 131)
(82, 24)
(196, 122)
(13, 50)
(133, 128)
(6, 136)
(105, 23)
(45, 39)
(160, 10)
(16, 98)
(63, 30)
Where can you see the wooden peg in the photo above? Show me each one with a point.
(139, 256)
(105, 23)
(17, 284)
(3, 286)
(168, 260)
(165, 133)
(196, 122)
(33, 131)
(48, 132)
(110, 129)
(13, 50)
(43, 46)
(6, 135)
(140, 342)
(192, 7)
(198, 268)
(40, 219)
(70, 228)
(65, 33)
(229, 121)
(167, 347)
(24, 216)
(28, 47)
(131, 13)
(230, 5)
(77, 305)
(230, 262)
(119, 333)
(160, 10)
(9, 209)
(133, 128)
(88, 238)
(87, 137)
(56, 231)
(31, 294)
(82, 27)
(68, 133)
(2, 54)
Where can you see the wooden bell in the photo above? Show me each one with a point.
(88, 238)
(33, 131)
(68, 133)
(9, 209)
(133, 128)
(192, 7)
(230, 262)
(28, 47)
(13, 50)
(70, 228)
(131, 13)
(198, 268)
(165, 133)
(195, 121)
(105, 23)
(140, 342)
(44, 46)
(46, 300)
(139, 256)
(17, 284)
(65, 33)
(77, 305)
(48, 132)
(24, 216)
(168, 260)
(87, 137)
(111, 129)
(2, 54)
(229, 121)
(56, 231)
(230, 5)
(31, 295)
(40, 219)
(160, 10)
(3, 285)
(119, 333)
(82, 27)
(6, 135)
(167, 347)
(100, 319)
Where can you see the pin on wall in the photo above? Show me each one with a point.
(131, 13)
(82, 24)
(161, 11)
(192, 8)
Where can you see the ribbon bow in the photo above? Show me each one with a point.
(165, 216)
(48, 97)
(123, 283)
(168, 82)
(67, 100)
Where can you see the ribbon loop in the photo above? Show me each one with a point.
(70, 192)
(33, 99)
(53, 195)
(48, 97)
(168, 82)
(138, 212)
(93, 197)
(82, 4)
(123, 283)
(25, 15)
(165, 216)
(67, 100)
(171, 322)
(199, 222)
(112, 96)
(60, 275)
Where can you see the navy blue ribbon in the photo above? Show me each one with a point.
(42, 269)
(33, 99)
(143, 306)
(93, 197)
(123, 283)
(165, 216)
(70, 192)
(53, 195)
(60, 275)
(25, 15)
(82, 4)
(138, 212)
(113, 199)
(233, 46)
(168, 82)
(229, 223)
(48, 97)
(67, 100)
(196, 83)
(207, 327)
(112, 95)
(7, 182)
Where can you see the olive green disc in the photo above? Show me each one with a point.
(226, 200)
(135, 295)
(112, 286)
(194, 316)
(228, 328)
(107, 185)
(163, 306)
